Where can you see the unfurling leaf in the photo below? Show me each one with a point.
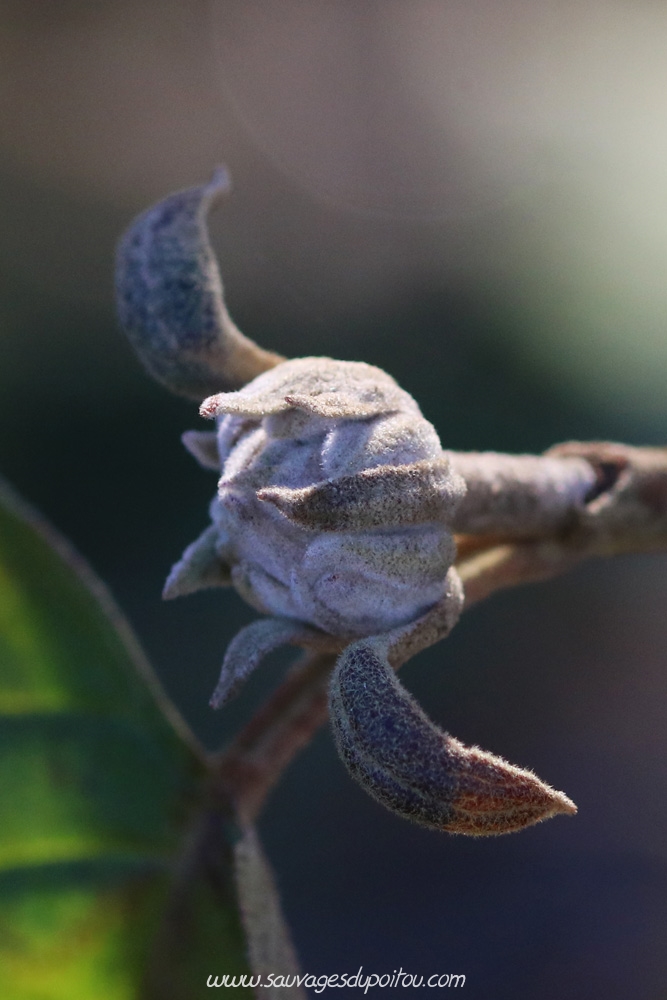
(170, 300)
(414, 768)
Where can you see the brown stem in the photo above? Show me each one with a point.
(626, 512)
(249, 768)
(503, 566)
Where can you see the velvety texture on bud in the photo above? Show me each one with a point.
(334, 518)
(407, 763)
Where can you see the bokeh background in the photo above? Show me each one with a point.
(471, 194)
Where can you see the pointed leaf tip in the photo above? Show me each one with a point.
(221, 181)
(407, 763)
(494, 796)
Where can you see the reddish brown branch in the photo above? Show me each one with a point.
(249, 768)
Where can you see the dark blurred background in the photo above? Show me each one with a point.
(471, 194)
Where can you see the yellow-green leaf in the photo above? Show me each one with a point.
(101, 787)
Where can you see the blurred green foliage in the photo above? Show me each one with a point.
(98, 782)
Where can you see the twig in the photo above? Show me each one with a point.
(524, 496)
(249, 768)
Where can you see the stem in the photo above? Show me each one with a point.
(605, 498)
(503, 566)
(249, 768)
(525, 496)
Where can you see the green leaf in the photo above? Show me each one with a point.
(111, 843)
